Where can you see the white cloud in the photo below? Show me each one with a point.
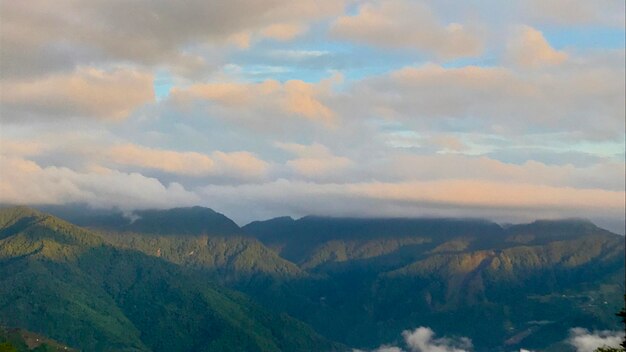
(98, 60)
(423, 339)
(582, 99)
(585, 341)
(293, 98)
(86, 92)
(25, 182)
(318, 181)
(315, 161)
(241, 165)
(147, 32)
(503, 201)
(407, 24)
(529, 49)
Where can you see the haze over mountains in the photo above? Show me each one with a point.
(190, 279)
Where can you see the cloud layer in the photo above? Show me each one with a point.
(506, 110)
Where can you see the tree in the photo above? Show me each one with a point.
(621, 314)
(7, 347)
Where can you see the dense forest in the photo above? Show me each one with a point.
(190, 279)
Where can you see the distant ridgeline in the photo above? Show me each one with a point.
(190, 279)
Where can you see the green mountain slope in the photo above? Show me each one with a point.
(523, 286)
(195, 237)
(363, 281)
(72, 285)
(20, 340)
(313, 241)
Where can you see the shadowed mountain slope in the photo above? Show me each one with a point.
(363, 281)
(521, 286)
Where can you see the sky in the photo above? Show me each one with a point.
(506, 110)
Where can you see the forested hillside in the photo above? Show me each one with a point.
(356, 281)
(70, 284)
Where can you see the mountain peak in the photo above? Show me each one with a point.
(195, 220)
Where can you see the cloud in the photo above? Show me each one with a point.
(147, 32)
(393, 139)
(423, 339)
(20, 148)
(406, 24)
(25, 182)
(491, 194)
(580, 99)
(293, 98)
(86, 92)
(577, 12)
(315, 160)
(282, 31)
(585, 341)
(242, 165)
(315, 179)
(529, 49)
(502, 201)
(402, 166)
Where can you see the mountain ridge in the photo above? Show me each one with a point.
(362, 281)
(77, 288)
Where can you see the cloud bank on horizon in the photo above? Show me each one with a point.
(507, 110)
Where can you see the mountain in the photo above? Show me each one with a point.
(72, 285)
(313, 241)
(360, 282)
(195, 237)
(506, 288)
(20, 340)
(176, 221)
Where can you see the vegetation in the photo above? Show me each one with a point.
(158, 282)
(69, 284)
(526, 285)
(19, 340)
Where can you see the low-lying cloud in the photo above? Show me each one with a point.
(587, 341)
(423, 339)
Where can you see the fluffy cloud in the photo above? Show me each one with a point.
(423, 339)
(236, 164)
(293, 98)
(585, 341)
(314, 161)
(529, 49)
(25, 182)
(406, 24)
(86, 92)
(68, 32)
(379, 143)
(582, 99)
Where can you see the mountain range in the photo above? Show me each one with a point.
(191, 279)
